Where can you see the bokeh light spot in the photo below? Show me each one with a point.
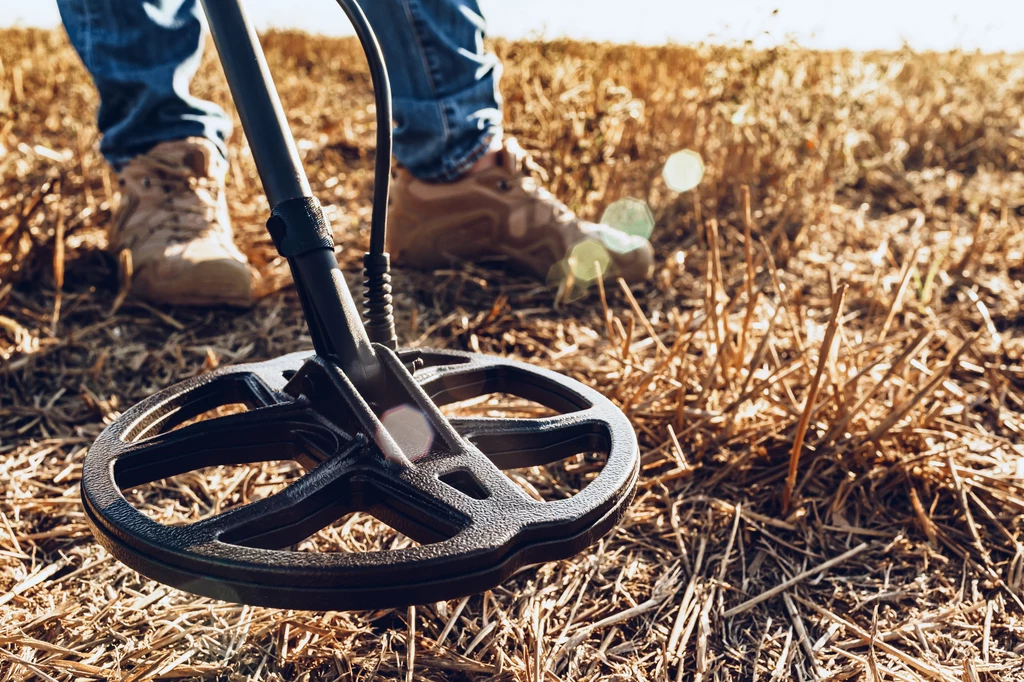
(589, 260)
(409, 428)
(631, 216)
(683, 171)
(558, 273)
(620, 242)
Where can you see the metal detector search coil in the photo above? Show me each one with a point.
(324, 410)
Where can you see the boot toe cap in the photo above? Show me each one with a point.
(209, 282)
(635, 265)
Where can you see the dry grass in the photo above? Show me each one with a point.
(893, 181)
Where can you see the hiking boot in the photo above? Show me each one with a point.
(173, 218)
(503, 212)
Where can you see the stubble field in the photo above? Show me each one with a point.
(840, 298)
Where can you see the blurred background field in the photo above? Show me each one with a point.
(986, 25)
(844, 284)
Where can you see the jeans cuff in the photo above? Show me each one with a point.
(455, 168)
(119, 159)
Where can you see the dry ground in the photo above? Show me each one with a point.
(869, 322)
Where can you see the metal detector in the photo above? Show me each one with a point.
(326, 410)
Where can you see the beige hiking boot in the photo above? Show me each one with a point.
(502, 212)
(174, 219)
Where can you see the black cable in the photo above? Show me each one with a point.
(377, 306)
(382, 99)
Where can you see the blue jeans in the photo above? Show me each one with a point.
(142, 55)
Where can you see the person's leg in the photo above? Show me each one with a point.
(447, 108)
(166, 146)
(465, 194)
(142, 55)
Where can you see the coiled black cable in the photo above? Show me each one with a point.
(377, 302)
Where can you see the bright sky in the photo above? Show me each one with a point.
(988, 25)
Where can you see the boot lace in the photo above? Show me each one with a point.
(182, 205)
(531, 176)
